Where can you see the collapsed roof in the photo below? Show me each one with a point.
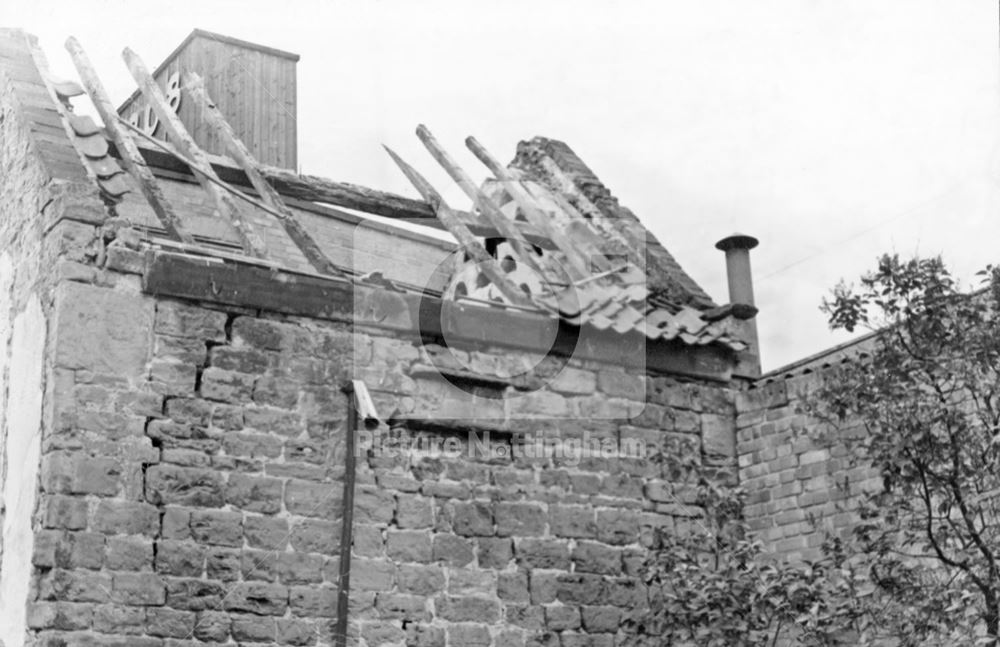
(544, 233)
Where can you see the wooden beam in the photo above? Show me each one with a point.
(584, 260)
(250, 240)
(470, 244)
(486, 207)
(131, 157)
(194, 86)
(381, 203)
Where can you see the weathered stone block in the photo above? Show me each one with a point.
(592, 557)
(372, 574)
(261, 564)
(217, 527)
(308, 499)
(169, 623)
(102, 330)
(241, 360)
(181, 558)
(172, 377)
(275, 421)
(60, 615)
(494, 552)
(542, 586)
(76, 473)
(294, 632)
(260, 598)
(509, 638)
(67, 512)
(117, 619)
(212, 626)
(414, 511)
(572, 521)
(472, 635)
(223, 564)
(372, 505)
(281, 392)
(313, 601)
(129, 554)
(226, 386)
(315, 536)
(452, 550)
(580, 588)
(80, 550)
(420, 635)
(420, 580)
(268, 533)
(383, 632)
(560, 618)
(601, 619)
(618, 526)
(182, 320)
(520, 519)
(467, 609)
(254, 493)
(543, 553)
(166, 484)
(194, 594)
(114, 516)
(512, 586)
(251, 628)
(139, 589)
(408, 546)
(300, 568)
(472, 582)
(718, 434)
(618, 384)
(473, 519)
(411, 608)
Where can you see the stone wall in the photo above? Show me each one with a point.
(40, 198)
(800, 487)
(192, 482)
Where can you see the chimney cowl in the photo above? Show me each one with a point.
(737, 241)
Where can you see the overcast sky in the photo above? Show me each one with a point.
(831, 130)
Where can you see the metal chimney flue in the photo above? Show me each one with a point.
(740, 278)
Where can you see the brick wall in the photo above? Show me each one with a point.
(799, 488)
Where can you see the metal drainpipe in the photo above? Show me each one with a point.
(359, 405)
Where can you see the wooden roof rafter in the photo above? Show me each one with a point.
(130, 155)
(250, 240)
(195, 88)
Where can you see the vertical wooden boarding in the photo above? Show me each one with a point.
(470, 244)
(131, 157)
(251, 242)
(310, 249)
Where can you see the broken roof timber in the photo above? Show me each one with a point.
(251, 241)
(311, 188)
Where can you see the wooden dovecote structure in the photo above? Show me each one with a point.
(254, 86)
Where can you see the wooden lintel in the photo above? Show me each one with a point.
(244, 284)
(247, 285)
